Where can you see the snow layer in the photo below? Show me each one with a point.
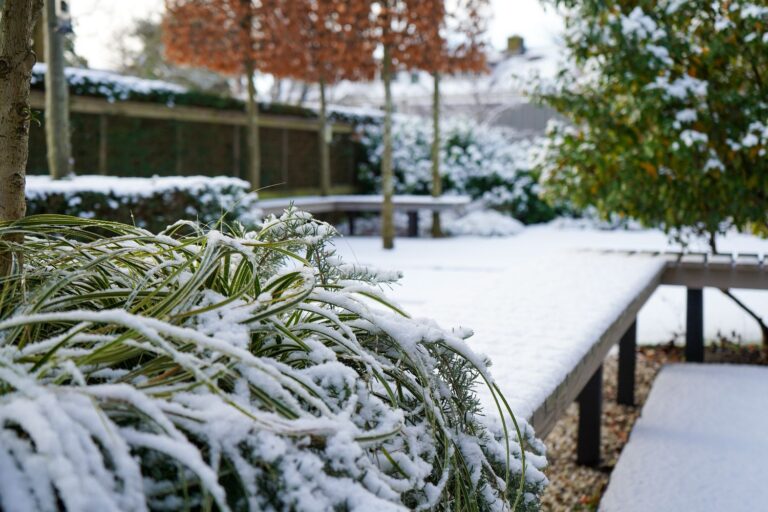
(139, 187)
(536, 301)
(700, 444)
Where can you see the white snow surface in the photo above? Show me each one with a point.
(699, 444)
(537, 301)
(140, 187)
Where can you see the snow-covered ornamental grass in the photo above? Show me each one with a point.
(151, 203)
(244, 371)
(482, 162)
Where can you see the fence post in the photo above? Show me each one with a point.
(625, 390)
(103, 143)
(694, 328)
(590, 411)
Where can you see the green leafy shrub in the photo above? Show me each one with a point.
(667, 119)
(152, 203)
(477, 161)
(205, 370)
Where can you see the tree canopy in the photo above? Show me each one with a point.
(667, 118)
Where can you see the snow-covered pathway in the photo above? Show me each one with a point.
(536, 302)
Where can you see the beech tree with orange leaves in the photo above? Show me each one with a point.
(400, 28)
(454, 44)
(321, 42)
(224, 36)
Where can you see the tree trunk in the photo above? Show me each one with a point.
(16, 61)
(56, 97)
(326, 137)
(437, 184)
(387, 172)
(254, 146)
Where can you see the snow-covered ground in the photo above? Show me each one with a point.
(700, 444)
(536, 300)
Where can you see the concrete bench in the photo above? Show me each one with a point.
(700, 444)
(355, 204)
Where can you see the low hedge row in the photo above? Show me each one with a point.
(151, 203)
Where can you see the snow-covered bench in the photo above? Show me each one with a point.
(547, 315)
(354, 204)
(700, 444)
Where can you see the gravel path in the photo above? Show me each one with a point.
(576, 488)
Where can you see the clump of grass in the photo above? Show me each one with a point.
(229, 370)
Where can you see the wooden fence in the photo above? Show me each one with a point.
(129, 138)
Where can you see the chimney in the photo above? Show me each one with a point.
(515, 45)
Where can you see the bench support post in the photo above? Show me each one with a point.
(351, 220)
(694, 328)
(625, 390)
(590, 409)
(413, 224)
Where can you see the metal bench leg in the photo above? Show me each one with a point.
(351, 221)
(625, 394)
(590, 408)
(413, 224)
(694, 328)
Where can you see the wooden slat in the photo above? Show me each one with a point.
(89, 105)
(362, 203)
(754, 277)
(547, 414)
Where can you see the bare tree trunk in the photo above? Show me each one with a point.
(56, 97)
(16, 61)
(387, 172)
(326, 137)
(437, 184)
(254, 146)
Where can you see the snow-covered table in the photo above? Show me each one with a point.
(545, 306)
(700, 444)
(546, 316)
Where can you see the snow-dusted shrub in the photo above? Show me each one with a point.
(244, 371)
(151, 203)
(482, 223)
(115, 87)
(478, 161)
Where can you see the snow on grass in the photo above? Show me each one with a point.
(537, 301)
(700, 444)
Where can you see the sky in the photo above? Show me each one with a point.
(98, 24)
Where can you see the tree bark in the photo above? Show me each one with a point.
(254, 146)
(387, 172)
(57, 134)
(16, 61)
(325, 139)
(437, 184)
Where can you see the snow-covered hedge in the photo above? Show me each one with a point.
(152, 203)
(240, 371)
(476, 160)
(118, 87)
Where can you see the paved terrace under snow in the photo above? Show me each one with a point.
(537, 302)
(700, 444)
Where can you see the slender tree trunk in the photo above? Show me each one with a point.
(326, 137)
(254, 146)
(387, 172)
(16, 60)
(437, 184)
(56, 97)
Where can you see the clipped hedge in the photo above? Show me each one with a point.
(151, 203)
(116, 87)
